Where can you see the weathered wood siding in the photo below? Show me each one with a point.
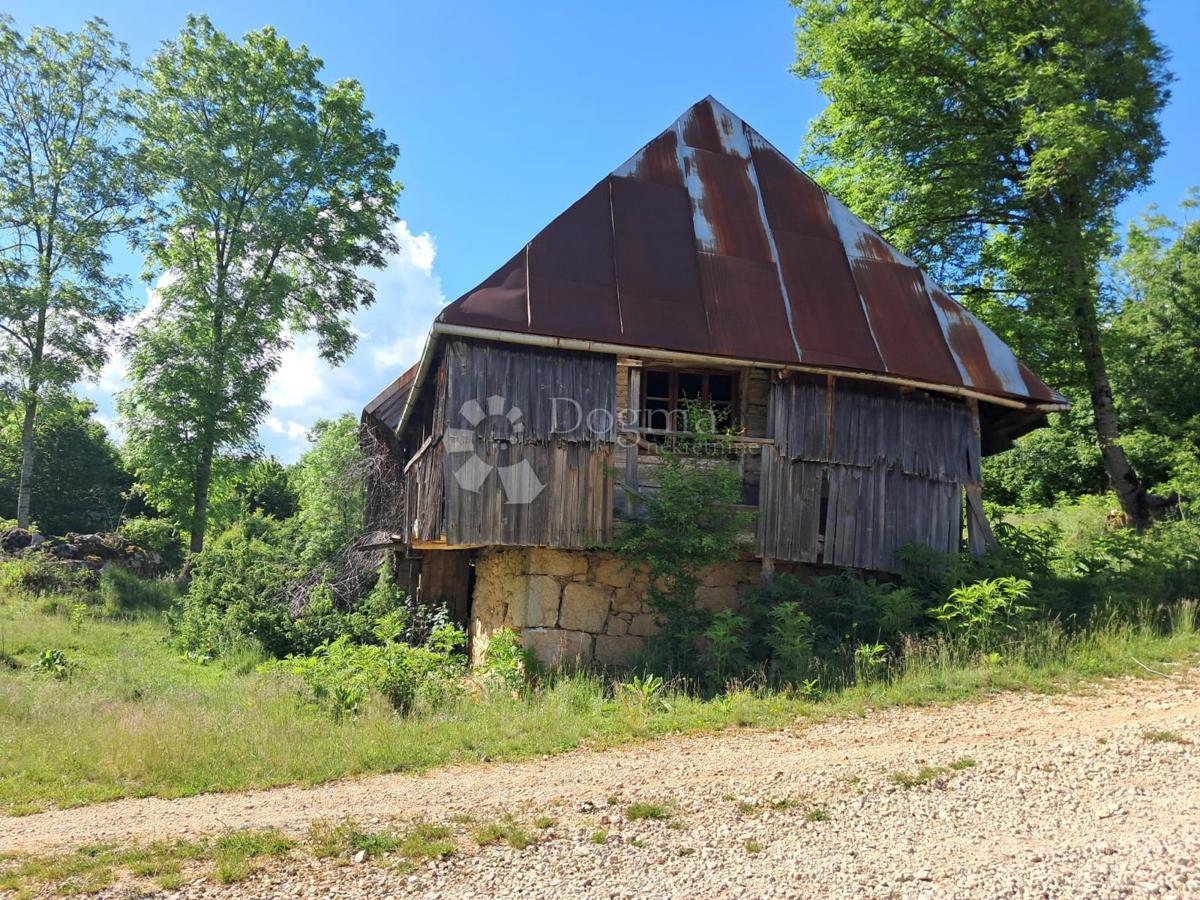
(858, 471)
(571, 460)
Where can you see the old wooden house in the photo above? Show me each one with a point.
(706, 269)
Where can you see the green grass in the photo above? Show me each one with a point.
(228, 859)
(816, 815)
(599, 836)
(1164, 737)
(504, 831)
(135, 719)
(638, 811)
(225, 859)
(752, 846)
(930, 773)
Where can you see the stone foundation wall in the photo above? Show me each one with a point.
(576, 607)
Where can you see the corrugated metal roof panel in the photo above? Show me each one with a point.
(697, 219)
(740, 324)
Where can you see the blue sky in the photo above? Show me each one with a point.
(506, 113)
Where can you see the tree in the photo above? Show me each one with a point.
(331, 484)
(993, 140)
(66, 187)
(272, 191)
(265, 487)
(78, 477)
(1153, 340)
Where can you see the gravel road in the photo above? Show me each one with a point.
(1021, 795)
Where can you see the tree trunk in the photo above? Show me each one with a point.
(25, 485)
(25, 491)
(200, 497)
(1130, 492)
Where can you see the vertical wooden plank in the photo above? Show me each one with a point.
(631, 453)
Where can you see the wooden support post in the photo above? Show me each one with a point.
(979, 533)
(980, 538)
(768, 570)
(631, 452)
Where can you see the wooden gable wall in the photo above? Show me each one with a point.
(514, 386)
(857, 471)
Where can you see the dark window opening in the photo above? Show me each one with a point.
(670, 396)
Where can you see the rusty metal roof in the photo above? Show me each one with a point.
(710, 241)
(389, 405)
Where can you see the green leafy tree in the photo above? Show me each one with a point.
(273, 191)
(78, 476)
(66, 188)
(331, 485)
(689, 523)
(993, 140)
(265, 486)
(1153, 340)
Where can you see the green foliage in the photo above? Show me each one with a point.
(342, 675)
(274, 192)
(636, 812)
(78, 477)
(122, 592)
(36, 574)
(507, 663)
(726, 650)
(688, 524)
(265, 487)
(791, 640)
(993, 142)
(987, 612)
(236, 592)
(647, 692)
(54, 663)
(331, 485)
(68, 188)
(160, 536)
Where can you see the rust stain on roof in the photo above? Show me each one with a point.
(709, 240)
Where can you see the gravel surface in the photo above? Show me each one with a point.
(1022, 795)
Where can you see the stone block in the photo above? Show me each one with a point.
(614, 572)
(627, 600)
(585, 607)
(615, 650)
(541, 608)
(547, 561)
(644, 624)
(717, 598)
(617, 625)
(556, 647)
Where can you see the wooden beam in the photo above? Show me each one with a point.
(631, 453)
(980, 538)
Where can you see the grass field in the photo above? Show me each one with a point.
(134, 719)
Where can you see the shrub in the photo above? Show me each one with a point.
(157, 535)
(728, 651)
(791, 641)
(985, 612)
(235, 591)
(53, 662)
(688, 524)
(341, 674)
(507, 663)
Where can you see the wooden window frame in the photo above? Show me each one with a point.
(673, 397)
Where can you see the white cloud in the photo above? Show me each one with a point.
(391, 334)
